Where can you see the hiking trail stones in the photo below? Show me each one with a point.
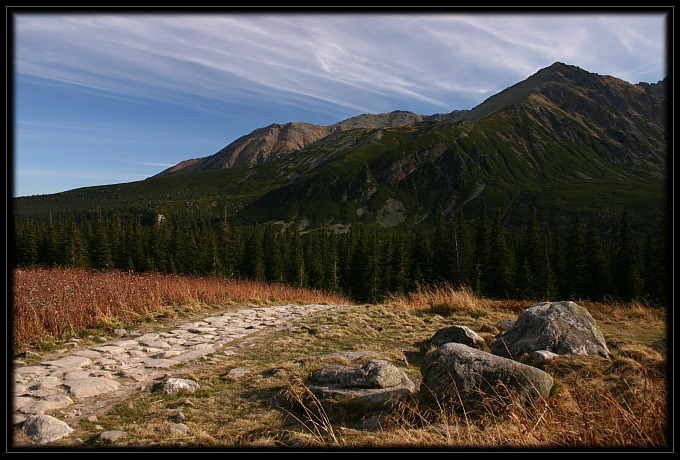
(88, 378)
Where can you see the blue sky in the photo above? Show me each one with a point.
(117, 95)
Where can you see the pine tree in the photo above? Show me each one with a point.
(231, 250)
(442, 261)
(208, 251)
(72, 246)
(313, 259)
(549, 287)
(273, 255)
(624, 262)
(136, 246)
(535, 260)
(297, 269)
(573, 281)
(47, 245)
(330, 260)
(502, 271)
(596, 272)
(398, 264)
(254, 255)
(26, 235)
(421, 260)
(653, 273)
(100, 252)
(463, 252)
(116, 235)
(482, 278)
(358, 272)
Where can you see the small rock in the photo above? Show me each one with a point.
(112, 435)
(236, 373)
(180, 428)
(175, 385)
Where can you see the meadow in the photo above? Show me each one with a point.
(621, 403)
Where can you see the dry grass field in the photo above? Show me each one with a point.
(615, 404)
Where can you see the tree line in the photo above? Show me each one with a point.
(541, 261)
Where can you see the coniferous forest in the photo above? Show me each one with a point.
(543, 260)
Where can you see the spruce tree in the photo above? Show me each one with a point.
(313, 259)
(273, 255)
(596, 271)
(330, 260)
(398, 264)
(502, 270)
(298, 270)
(482, 277)
(463, 252)
(653, 272)
(136, 245)
(442, 261)
(624, 262)
(73, 247)
(26, 244)
(100, 251)
(421, 260)
(573, 280)
(254, 255)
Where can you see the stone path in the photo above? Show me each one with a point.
(87, 379)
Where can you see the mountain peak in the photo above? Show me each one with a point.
(566, 88)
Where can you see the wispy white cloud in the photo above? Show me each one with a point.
(345, 60)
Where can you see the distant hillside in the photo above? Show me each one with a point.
(563, 141)
(275, 140)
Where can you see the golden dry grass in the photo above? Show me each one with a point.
(597, 404)
(53, 304)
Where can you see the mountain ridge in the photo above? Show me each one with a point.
(564, 140)
(274, 140)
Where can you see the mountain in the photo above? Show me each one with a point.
(563, 141)
(275, 140)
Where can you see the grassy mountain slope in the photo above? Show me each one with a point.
(564, 141)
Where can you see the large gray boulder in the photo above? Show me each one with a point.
(559, 327)
(461, 374)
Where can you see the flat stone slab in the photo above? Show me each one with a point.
(69, 361)
(111, 349)
(91, 386)
(31, 370)
(161, 363)
(87, 354)
(48, 403)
